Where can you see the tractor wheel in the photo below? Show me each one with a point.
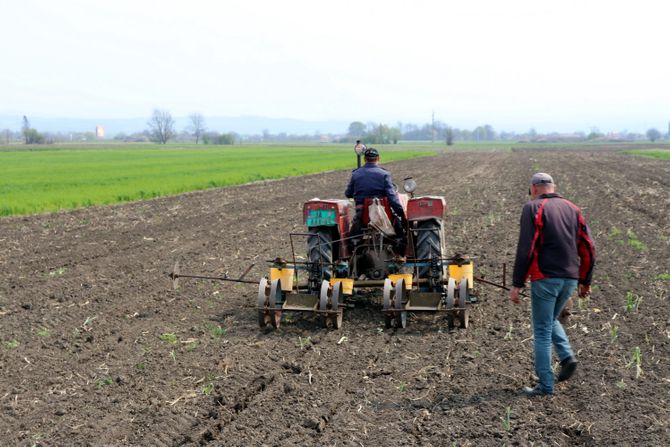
(428, 244)
(320, 252)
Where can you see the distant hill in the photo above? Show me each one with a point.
(244, 125)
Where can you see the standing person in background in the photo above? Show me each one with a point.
(556, 251)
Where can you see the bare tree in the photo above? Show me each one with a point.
(653, 134)
(161, 126)
(197, 126)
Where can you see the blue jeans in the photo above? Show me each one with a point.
(548, 296)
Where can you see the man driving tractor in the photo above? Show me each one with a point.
(373, 181)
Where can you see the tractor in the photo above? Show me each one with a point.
(412, 272)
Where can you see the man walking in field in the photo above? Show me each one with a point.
(556, 251)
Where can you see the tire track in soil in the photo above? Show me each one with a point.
(238, 393)
(215, 432)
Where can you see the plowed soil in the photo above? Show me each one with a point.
(97, 349)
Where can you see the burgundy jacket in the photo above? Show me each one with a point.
(554, 242)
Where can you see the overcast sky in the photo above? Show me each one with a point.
(553, 65)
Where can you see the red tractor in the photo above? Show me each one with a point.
(410, 268)
(373, 254)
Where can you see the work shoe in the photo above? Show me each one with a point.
(568, 367)
(535, 391)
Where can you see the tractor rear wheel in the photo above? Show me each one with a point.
(428, 244)
(320, 253)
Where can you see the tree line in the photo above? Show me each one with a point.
(161, 128)
(378, 133)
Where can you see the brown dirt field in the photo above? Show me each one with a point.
(84, 300)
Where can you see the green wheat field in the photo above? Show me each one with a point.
(47, 180)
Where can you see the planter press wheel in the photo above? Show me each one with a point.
(400, 296)
(328, 319)
(464, 313)
(335, 298)
(263, 293)
(388, 292)
(451, 291)
(268, 296)
(274, 298)
(323, 302)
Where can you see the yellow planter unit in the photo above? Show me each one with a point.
(460, 271)
(406, 276)
(286, 276)
(347, 284)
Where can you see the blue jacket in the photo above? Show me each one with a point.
(371, 180)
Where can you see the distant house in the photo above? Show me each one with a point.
(99, 132)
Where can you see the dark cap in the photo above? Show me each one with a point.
(541, 178)
(371, 153)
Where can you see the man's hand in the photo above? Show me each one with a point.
(514, 294)
(584, 290)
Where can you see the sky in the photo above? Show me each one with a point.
(518, 64)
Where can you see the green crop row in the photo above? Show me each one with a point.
(63, 178)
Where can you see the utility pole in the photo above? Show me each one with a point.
(432, 127)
